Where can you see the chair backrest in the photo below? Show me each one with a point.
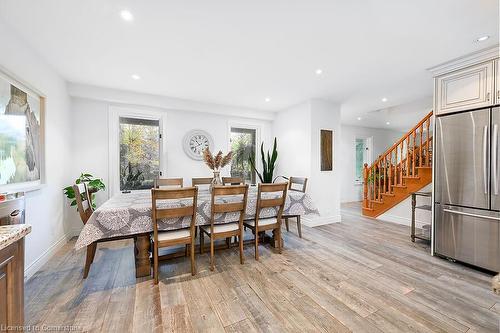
(228, 207)
(176, 212)
(169, 182)
(233, 181)
(278, 202)
(201, 181)
(83, 201)
(301, 181)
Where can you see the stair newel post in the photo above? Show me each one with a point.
(421, 144)
(407, 155)
(427, 125)
(414, 159)
(390, 173)
(401, 164)
(365, 185)
(379, 179)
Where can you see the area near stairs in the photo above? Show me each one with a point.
(404, 168)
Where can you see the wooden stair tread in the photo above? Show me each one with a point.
(389, 194)
(423, 167)
(411, 177)
(377, 201)
(399, 186)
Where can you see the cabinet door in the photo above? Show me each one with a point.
(465, 89)
(497, 81)
(12, 285)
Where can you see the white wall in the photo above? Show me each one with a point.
(91, 150)
(382, 140)
(45, 208)
(292, 128)
(297, 130)
(324, 186)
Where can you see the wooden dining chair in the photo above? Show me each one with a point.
(84, 207)
(175, 237)
(233, 181)
(269, 223)
(297, 184)
(226, 230)
(171, 182)
(201, 181)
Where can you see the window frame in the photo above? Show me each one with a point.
(258, 141)
(367, 156)
(115, 113)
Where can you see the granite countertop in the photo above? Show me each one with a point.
(12, 233)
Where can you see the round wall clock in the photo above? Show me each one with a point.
(195, 142)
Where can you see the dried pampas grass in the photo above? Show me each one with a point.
(218, 161)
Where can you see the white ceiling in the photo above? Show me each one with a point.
(238, 53)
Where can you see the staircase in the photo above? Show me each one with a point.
(404, 168)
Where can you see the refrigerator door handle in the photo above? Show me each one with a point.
(494, 159)
(485, 159)
(471, 214)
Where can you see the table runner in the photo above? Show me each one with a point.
(130, 213)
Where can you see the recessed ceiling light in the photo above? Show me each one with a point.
(359, 118)
(268, 99)
(384, 99)
(126, 15)
(482, 38)
(135, 77)
(387, 123)
(319, 71)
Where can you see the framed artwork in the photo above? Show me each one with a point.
(21, 133)
(326, 150)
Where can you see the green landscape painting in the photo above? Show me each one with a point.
(20, 135)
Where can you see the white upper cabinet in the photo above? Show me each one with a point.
(464, 89)
(497, 83)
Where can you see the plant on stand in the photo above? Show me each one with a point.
(267, 165)
(94, 185)
(215, 163)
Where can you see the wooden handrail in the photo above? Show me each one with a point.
(428, 116)
(384, 174)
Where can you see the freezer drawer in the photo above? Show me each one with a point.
(468, 235)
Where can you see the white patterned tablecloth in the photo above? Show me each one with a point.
(128, 214)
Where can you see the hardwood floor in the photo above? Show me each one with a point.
(359, 275)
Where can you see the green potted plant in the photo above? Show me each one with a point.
(94, 185)
(267, 165)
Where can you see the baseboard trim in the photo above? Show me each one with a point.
(35, 266)
(315, 221)
(400, 220)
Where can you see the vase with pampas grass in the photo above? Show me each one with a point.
(215, 163)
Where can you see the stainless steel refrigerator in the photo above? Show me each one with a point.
(467, 188)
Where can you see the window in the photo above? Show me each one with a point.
(139, 153)
(360, 159)
(243, 142)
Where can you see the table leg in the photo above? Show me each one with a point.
(141, 252)
(274, 241)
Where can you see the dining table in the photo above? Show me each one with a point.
(128, 214)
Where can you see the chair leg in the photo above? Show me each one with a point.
(299, 226)
(240, 243)
(256, 245)
(193, 268)
(212, 263)
(186, 250)
(155, 262)
(89, 259)
(202, 241)
(228, 242)
(286, 224)
(278, 234)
